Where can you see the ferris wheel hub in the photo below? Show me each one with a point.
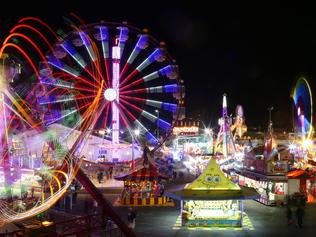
(110, 94)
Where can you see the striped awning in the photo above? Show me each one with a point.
(144, 174)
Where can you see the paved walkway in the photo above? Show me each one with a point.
(264, 222)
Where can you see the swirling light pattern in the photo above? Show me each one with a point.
(303, 104)
(95, 77)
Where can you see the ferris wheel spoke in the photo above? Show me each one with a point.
(157, 55)
(149, 77)
(88, 45)
(158, 121)
(153, 103)
(62, 66)
(172, 88)
(104, 37)
(81, 79)
(149, 136)
(141, 44)
(56, 82)
(139, 125)
(74, 54)
(124, 109)
(137, 109)
(77, 57)
(98, 114)
(168, 71)
(154, 119)
(123, 115)
(57, 116)
(62, 98)
(122, 39)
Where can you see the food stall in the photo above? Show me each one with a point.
(144, 187)
(212, 200)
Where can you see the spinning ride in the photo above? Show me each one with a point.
(303, 111)
(32, 175)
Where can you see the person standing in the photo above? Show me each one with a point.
(289, 215)
(145, 155)
(111, 172)
(299, 216)
(131, 216)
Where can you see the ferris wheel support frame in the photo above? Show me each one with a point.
(115, 111)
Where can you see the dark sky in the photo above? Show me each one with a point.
(254, 53)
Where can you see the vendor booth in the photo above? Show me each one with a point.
(212, 200)
(306, 183)
(144, 187)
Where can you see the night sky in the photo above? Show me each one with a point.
(254, 53)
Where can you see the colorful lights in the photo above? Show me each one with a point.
(84, 92)
(110, 94)
(303, 102)
(137, 132)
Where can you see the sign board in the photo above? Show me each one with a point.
(192, 130)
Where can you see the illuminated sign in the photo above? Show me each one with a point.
(192, 130)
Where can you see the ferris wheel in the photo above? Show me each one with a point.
(127, 73)
(303, 109)
(98, 77)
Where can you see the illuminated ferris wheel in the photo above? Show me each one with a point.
(126, 72)
(98, 77)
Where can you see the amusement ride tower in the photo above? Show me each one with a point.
(225, 136)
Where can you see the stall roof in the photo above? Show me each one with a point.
(148, 173)
(212, 184)
(212, 178)
(301, 174)
(185, 194)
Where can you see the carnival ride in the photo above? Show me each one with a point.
(303, 119)
(239, 127)
(78, 85)
(138, 80)
(225, 142)
(29, 184)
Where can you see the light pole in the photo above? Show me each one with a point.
(157, 111)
